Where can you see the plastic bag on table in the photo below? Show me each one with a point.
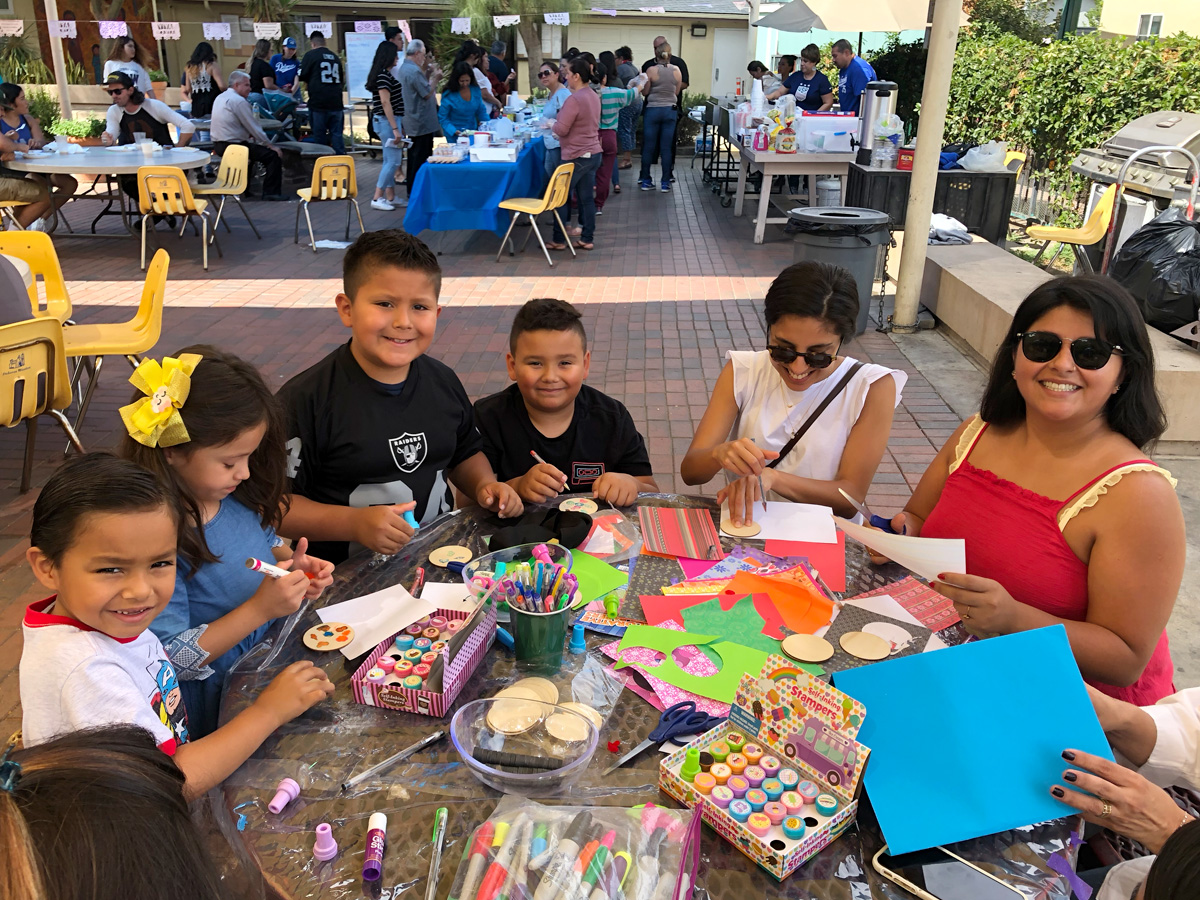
(987, 157)
(658, 850)
(787, 107)
(889, 126)
(1160, 265)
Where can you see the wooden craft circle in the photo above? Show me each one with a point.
(542, 688)
(567, 727)
(865, 646)
(513, 715)
(750, 529)
(893, 634)
(807, 648)
(586, 711)
(519, 693)
(443, 556)
(579, 504)
(328, 636)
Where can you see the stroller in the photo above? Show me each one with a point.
(282, 106)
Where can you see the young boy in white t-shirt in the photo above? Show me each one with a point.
(105, 534)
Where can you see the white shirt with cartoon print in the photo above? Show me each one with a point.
(74, 677)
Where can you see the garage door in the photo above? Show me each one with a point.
(639, 38)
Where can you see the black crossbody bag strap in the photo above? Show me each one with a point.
(816, 414)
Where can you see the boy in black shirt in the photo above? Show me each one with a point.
(587, 439)
(321, 70)
(377, 428)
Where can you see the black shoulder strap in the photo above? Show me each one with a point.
(816, 414)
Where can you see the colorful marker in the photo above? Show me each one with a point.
(477, 853)
(257, 565)
(557, 875)
(497, 872)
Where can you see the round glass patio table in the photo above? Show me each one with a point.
(337, 738)
(112, 161)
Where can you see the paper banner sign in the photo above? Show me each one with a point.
(402, 24)
(13, 27)
(653, 9)
(741, 4)
(460, 25)
(326, 28)
(268, 30)
(557, 18)
(505, 21)
(368, 26)
(63, 28)
(165, 31)
(113, 28)
(217, 31)
(603, 12)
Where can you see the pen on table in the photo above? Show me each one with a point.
(435, 859)
(418, 582)
(762, 495)
(392, 760)
(257, 565)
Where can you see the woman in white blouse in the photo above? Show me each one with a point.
(762, 398)
(128, 57)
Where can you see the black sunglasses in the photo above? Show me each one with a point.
(1088, 352)
(117, 91)
(545, 72)
(786, 356)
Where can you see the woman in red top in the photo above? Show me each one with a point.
(1065, 519)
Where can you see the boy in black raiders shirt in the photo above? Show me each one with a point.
(378, 428)
(587, 439)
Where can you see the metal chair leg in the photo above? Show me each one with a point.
(357, 212)
(213, 228)
(296, 235)
(87, 396)
(145, 219)
(204, 241)
(349, 201)
(133, 359)
(511, 224)
(570, 243)
(30, 443)
(66, 426)
(533, 223)
(541, 241)
(311, 238)
(1054, 256)
(249, 221)
(1083, 265)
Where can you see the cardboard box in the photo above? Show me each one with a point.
(493, 154)
(809, 727)
(460, 657)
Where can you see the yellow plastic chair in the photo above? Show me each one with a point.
(164, 191)
(1092, 232)
(333, 179)
(128, 339)
(233, 177)
(1014, 156)
(556, 195)
(33, 382)
(37, 250)
(6, 212)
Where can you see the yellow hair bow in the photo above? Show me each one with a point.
(154, 420)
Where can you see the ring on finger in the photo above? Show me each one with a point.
(966, 614)
(1105, 809)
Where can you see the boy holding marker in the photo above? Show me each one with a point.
(549, 432)
(377, 428)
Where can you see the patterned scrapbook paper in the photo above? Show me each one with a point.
(680, 532)
(643, 659)
(647, 575)
(926, 605)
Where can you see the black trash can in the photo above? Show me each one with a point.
(847, 237)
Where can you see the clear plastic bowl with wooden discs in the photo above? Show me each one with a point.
(524, 745)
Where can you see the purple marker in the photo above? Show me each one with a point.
(376, 841)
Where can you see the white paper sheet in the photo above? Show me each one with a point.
(927, 557)
(448, 596)
(791, 522)
(376, 616)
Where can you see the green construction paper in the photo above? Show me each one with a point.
(741, 624)
(596, 577)
(736, 660)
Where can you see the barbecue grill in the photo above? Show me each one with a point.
(1158, 173)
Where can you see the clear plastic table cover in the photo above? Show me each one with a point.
(339, 737)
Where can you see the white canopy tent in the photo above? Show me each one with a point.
(898, 15)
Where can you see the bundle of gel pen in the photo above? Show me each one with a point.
(526, 851)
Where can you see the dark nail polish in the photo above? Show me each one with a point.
(1068, 756)
(1070, 776)
(1058, 792)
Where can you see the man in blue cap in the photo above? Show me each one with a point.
(286, 68)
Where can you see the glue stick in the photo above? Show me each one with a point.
(376, 841)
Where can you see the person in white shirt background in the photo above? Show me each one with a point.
(130, 58)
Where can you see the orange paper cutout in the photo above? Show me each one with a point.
(802, 606)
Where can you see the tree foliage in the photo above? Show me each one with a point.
(1030, 20)
(530, 27)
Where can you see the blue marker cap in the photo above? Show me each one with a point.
(505, 639)
(411, 520)
(578, 644)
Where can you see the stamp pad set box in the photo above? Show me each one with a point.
(392, 676)
(779, 779)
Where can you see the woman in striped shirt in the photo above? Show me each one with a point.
(612, 101)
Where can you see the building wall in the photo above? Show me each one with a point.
(1121, 16)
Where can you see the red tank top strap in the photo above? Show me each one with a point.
(1106, 473)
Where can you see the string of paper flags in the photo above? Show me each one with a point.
(223, 31)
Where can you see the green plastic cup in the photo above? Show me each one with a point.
(539, 637)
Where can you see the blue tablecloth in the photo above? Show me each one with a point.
(466, 196)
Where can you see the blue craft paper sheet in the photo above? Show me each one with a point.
(966, 741)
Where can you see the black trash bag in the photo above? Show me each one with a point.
(539, 526)
(1160, 266)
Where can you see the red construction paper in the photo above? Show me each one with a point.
(828, 559)
(658, 608)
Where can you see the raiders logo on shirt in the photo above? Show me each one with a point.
(408, 450)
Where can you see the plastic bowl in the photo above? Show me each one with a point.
(485, 566)
(547, 730)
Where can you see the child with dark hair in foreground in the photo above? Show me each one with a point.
(587, 439)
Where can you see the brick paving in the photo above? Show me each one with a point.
(674, 282)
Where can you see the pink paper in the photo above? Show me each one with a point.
(693, 567)
(645, 659)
